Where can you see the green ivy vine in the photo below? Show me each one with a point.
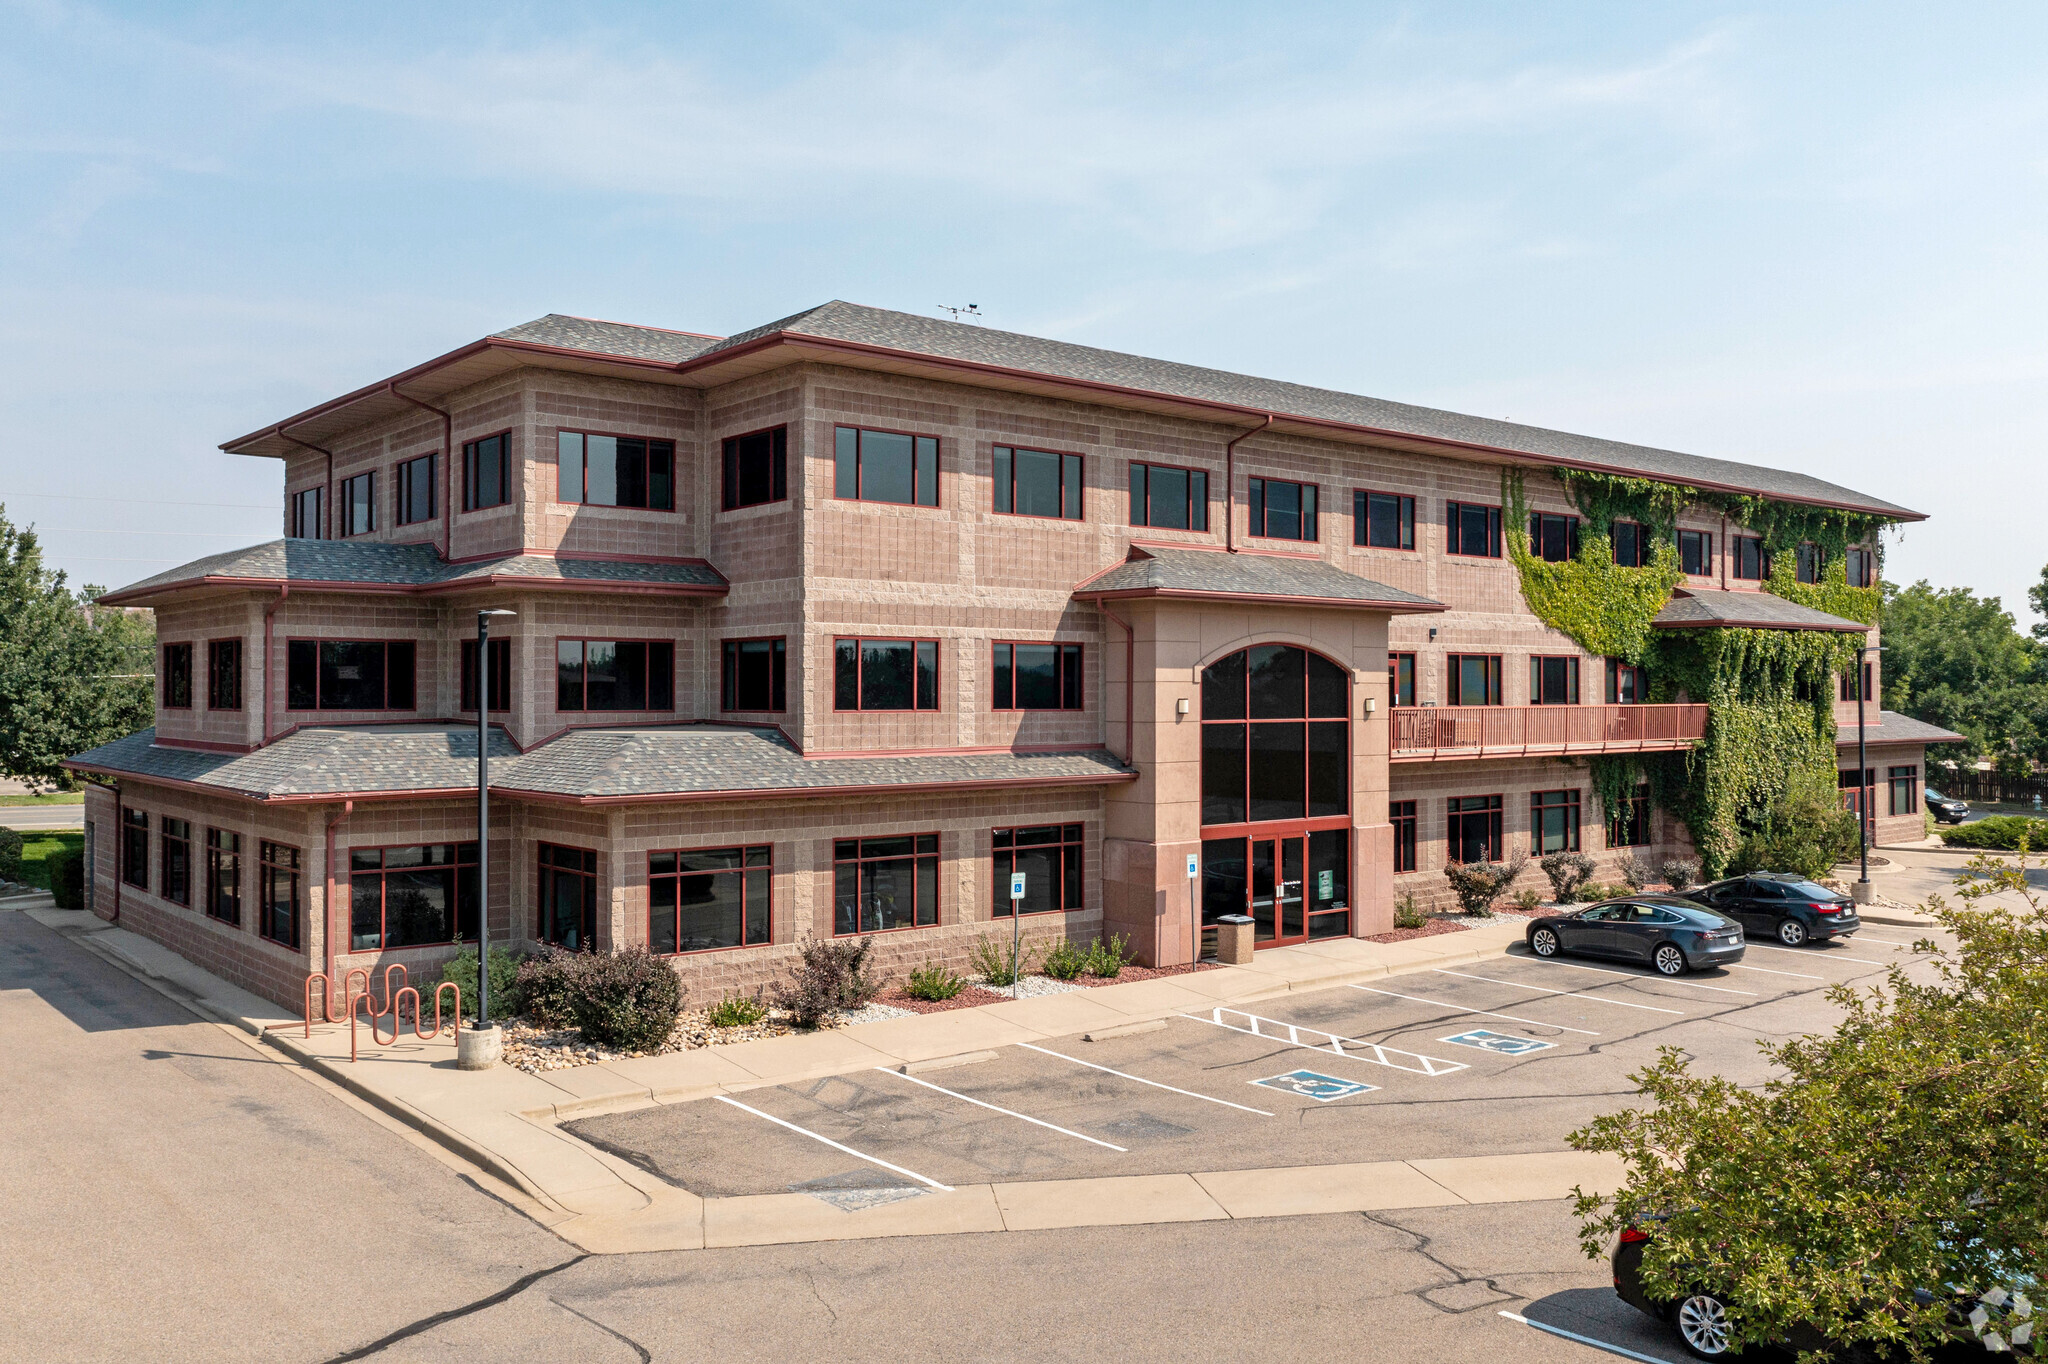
(1606, 607)
(1831, 594)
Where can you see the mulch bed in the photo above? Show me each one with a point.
(1131, 973)
(969, 997)
(1428, 930)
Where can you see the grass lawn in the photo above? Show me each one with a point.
(38, 848)
(54, 798)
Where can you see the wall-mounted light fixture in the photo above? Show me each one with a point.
(1180, 707)
(1372, 706)
(1432, 634)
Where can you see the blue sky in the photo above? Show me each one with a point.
(1809, 236)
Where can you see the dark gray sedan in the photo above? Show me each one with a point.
(1662, 931)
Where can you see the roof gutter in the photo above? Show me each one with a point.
(1230, 485)
(270, 655)
(327, 496)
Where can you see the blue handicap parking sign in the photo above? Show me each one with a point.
(1502, 1043)
(1321, 1088)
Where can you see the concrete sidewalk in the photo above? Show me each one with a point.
(505, 1120)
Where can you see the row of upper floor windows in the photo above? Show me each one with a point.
(1554, 680)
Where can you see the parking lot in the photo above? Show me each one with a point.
(1503, 1056)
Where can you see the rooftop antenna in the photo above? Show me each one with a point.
(972, 310)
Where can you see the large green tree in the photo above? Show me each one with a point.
(1955, 659)
(72, 676)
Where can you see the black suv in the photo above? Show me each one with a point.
(1781, 905)
(1945, 809)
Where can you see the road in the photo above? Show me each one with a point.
(25, 818)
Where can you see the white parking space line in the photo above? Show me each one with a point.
(857, 1155)
(1333, 1044)
(1008, 1113)
(1632, 975)
(1583, 1340)
(1810, 954)
(1796, 975)
(1570, 994)
(1465, 1009)
(1143, 1081)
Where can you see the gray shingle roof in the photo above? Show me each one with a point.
(1890, 727)
(1701, 608)
(681, 761)
(945, 339)
(1203, 573)
(417, 567)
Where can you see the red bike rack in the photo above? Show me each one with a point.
(358, 1002)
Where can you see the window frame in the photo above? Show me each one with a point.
(1395, 658)
(318, 669)
(1361, 519)
(860, 666)
(1258, 517)
(1404, 816)
(175, 886)
(1537, 679)
(465, 685)
(295, 506)
(1634, 818)
(1615, 669)
(1076, 872)
(646, 682)
(220, 856)
(1810, 562)
(134, 853)
(745, 851)
(937, 856)
(584, 463)
(1739, 548)
(778, 476)
(1454, 530)
(1068, 683)
(454, 867)
(215, 650)
(999, 493)
(1454, 679)
(176, 681)
(402, 501)
(1847, 680)
(585, 872)
(1198, 506)
(1859, 566)
(1910, 777)
(1645, 554)
(1244, 745)
(778, 674)
(350, 504)
(860, 462)
(1454, 814)
(1538, 536)
(1704, 539)
(269, 866)
(1538, 806)
(470, 450)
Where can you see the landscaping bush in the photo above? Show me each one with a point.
(544, 984)
(1999, 831)
(934, 982)
(1528, 899)
(736, 1011)
(1681, 872)
(1635, 871)
(67, 879)
(1593, 892)
(1568, 871)
(1065, 960)
(1806, 832)
(506, 997)
(10, 855)
(1108, 956)
(997, 963)
(831, 975)
(1407, 914)
(627, 1000)
(1478, 884)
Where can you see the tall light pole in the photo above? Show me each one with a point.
(483, 814)
(1865, 822)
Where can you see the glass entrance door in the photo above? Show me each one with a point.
(1277, 912)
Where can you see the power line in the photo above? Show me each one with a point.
(151, 501)
(116, 530)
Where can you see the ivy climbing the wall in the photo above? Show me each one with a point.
(1606, 607)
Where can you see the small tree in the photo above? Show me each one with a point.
(1478, 884)
(1568, 871)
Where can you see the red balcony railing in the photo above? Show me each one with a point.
(1437, 732)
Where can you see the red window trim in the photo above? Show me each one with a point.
(1260, 533)
(674, 461)
(1763, 558)
(938, 466)
(1413, 820)
(1303, 823)
(1646, 550)
(1499, 809)
(462, 476)
(1496, 536)
(1014, 709)
(938, 704)
(291, 510)
(1393, 675)
(1079, 845)
(1708, 538)
(398, 482)
(1536, 662)
(164, 838)
(1149, 524)
(1013, 448)
(342, 501)
(542, 866)
(214, 854)
(413, 709)
(241, 679)
(652, 853)
(1576, 805)
(298, 875)
(1451, 679)
(1615, 668)
(555, 657)
(1414, 519)
(938, 910)
(346, 857)
(511, 681)
(163, 690)
(1639, 795)
(784, 426)
(724, 640)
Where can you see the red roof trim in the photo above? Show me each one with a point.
(1263, 599)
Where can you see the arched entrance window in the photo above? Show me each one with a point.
(1276, 793)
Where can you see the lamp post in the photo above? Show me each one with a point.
(1864, 821)
(482, 1053)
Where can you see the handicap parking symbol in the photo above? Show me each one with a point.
(1500, 1043)
(1321, 1088)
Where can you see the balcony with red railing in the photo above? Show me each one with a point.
(1436, 733)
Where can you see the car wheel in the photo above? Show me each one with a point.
(1669, 960)
(1543, 942)
(1702, 1322)
(1792, 933)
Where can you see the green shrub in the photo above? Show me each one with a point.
(1807, 832)
(627, 1000)
(737, 1011)
(10, 855)
(1593, 892)
(1407, 914)
(1681, 872)
(1634, 870)
(506, 996)
(1065, 960)
(544, 983)
(1108, 956)
(831, 974)
(997, 963)
(1999, 831)
(1568, 871)
(1478, 884)
(934, 982)
(67, 879)
(1527, 899)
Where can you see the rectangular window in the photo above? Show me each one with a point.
(350, 674)
(1049, 855)
(359, 504)
(756, 673)
(278, 918)
(501, 675)
(1746, 558)
(224, 876)
(1281, 510)
(885, 674)
(879, 884)
(178, 676)
(1472, 529)
(487, 472)
(224, 674)
(1696, 552)
(1553, 681)
(1862, 568)
(411, 897)
(1631, 543)
(1852, 799)
(615, 471)
(1037, 677)
(1849, 691)
(1474, 679)
(416, 490)
(135, 848)
(1400, 679)
(615, 674)
(174, 844)
(1812, 559)
(1553, 539)
(307, 523)
(1382, 520)
(1905, 793)
(1553, 822)
(885, 466)
(1475, 829)
(1628, 820)
(709, 898)
(568, 898)
(1037, 483)
(1627, 684)
(755, 469)
(1169, 498)
(1401, 814)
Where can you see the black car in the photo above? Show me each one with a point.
(1945, 809)
(1672, 934)
(1781, 905)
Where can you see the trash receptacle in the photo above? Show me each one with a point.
(1234, 939)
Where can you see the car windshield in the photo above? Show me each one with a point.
(1933, 794)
